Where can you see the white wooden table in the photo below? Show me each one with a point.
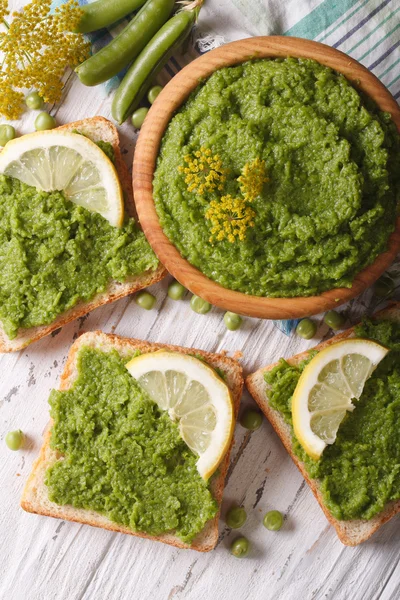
(45, 559)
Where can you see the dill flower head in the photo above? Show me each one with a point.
(230, 217)
(10, 99)
(252, 179)
(37, 47)
(203, 172)
(3, 9)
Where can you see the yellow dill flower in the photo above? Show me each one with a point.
(3, 9)
(252, 179)
(230, 217)
(10, 99)
(204, 172)
(37, 47)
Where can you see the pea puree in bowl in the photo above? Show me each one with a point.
(277, 178)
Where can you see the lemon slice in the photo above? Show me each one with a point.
(68, 162)
(326, 387)
(195, 396)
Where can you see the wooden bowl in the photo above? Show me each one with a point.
(147, 148)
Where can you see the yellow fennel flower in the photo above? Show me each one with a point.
(10, 99)
(252, 179)
(3, 9)
(37, 46)
(203, 172)
(230, 217)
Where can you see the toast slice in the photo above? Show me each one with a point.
(352, 532)
(95, 128)
(35, 498)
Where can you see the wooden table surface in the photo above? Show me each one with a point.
(45, 559)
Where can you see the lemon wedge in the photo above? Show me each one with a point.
(68, 162)
(326, 388)
(194, 396)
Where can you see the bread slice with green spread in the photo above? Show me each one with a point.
(97, 129)
(350, 532)
(35, 497)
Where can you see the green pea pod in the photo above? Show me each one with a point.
(150, 61)
(103, 13)
(109, 61)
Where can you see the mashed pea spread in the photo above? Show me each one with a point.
(277, 178)
(54, 253)
(360, 472)
(123, 456)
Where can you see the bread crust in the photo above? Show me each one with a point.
(35, 499)
(351, 532)
(96, 128)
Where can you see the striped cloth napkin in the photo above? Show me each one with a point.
(367, 30)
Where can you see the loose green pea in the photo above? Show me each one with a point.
(139, 116)
(306, 329)
(153, 93)
(34, 101)
(199, 305)
(384, 287)
(240, 547)
(176, 290)
(251, 419)
(273, 520)
(236, 517)
(7, 133)
(145, 300)
(232, 321)
(44, 121)
(15, 439)
(334, 320)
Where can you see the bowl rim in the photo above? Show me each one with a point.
(169, 101)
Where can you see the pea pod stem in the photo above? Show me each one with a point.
(103, 13)
(194, 5)
(152, 58)
(109, 61)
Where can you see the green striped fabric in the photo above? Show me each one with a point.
(367, 30)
